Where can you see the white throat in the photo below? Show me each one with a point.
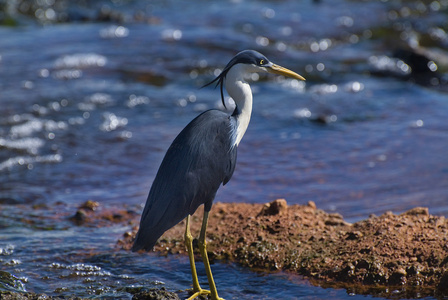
(241, 93)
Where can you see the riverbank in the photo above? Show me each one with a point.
(404, 254)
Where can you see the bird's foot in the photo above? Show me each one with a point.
(198, 293)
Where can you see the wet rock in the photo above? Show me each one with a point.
(90, 205)
(152, 294)
(155, 294)
(7, 280)
(410, 64)
(418, 62)
(9, 295)
(90, 213)
(398, 277)
(80, 217)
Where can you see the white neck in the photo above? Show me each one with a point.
(241, 93)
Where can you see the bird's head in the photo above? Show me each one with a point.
(258, 63)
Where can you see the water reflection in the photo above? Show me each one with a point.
(112, 122)
(114, 31)
(81, 60)
(388, 64)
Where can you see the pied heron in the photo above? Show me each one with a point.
(200, 159)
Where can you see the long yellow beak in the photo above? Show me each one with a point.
(276, 69)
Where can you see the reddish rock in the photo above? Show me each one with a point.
(404, 254)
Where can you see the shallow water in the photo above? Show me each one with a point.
(88, 110)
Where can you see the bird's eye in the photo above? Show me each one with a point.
(261, 61)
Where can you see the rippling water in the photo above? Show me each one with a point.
(89, 108)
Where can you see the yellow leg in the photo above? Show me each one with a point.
(197, 290)
(203, 250)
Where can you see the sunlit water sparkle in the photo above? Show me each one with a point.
(89, 109)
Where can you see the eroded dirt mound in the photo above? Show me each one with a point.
(408, 252)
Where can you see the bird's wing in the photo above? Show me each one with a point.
(197, 162)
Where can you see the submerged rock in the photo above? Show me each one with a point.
(152, 294)
(155, 294)
(8, 295)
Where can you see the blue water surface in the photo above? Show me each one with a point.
(88, 109)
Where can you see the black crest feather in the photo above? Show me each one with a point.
(244, 57)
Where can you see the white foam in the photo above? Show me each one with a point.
(29, 160)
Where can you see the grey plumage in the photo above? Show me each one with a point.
(184, 180)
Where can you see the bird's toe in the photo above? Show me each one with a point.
(198, 293)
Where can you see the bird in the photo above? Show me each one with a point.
(200, 159)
